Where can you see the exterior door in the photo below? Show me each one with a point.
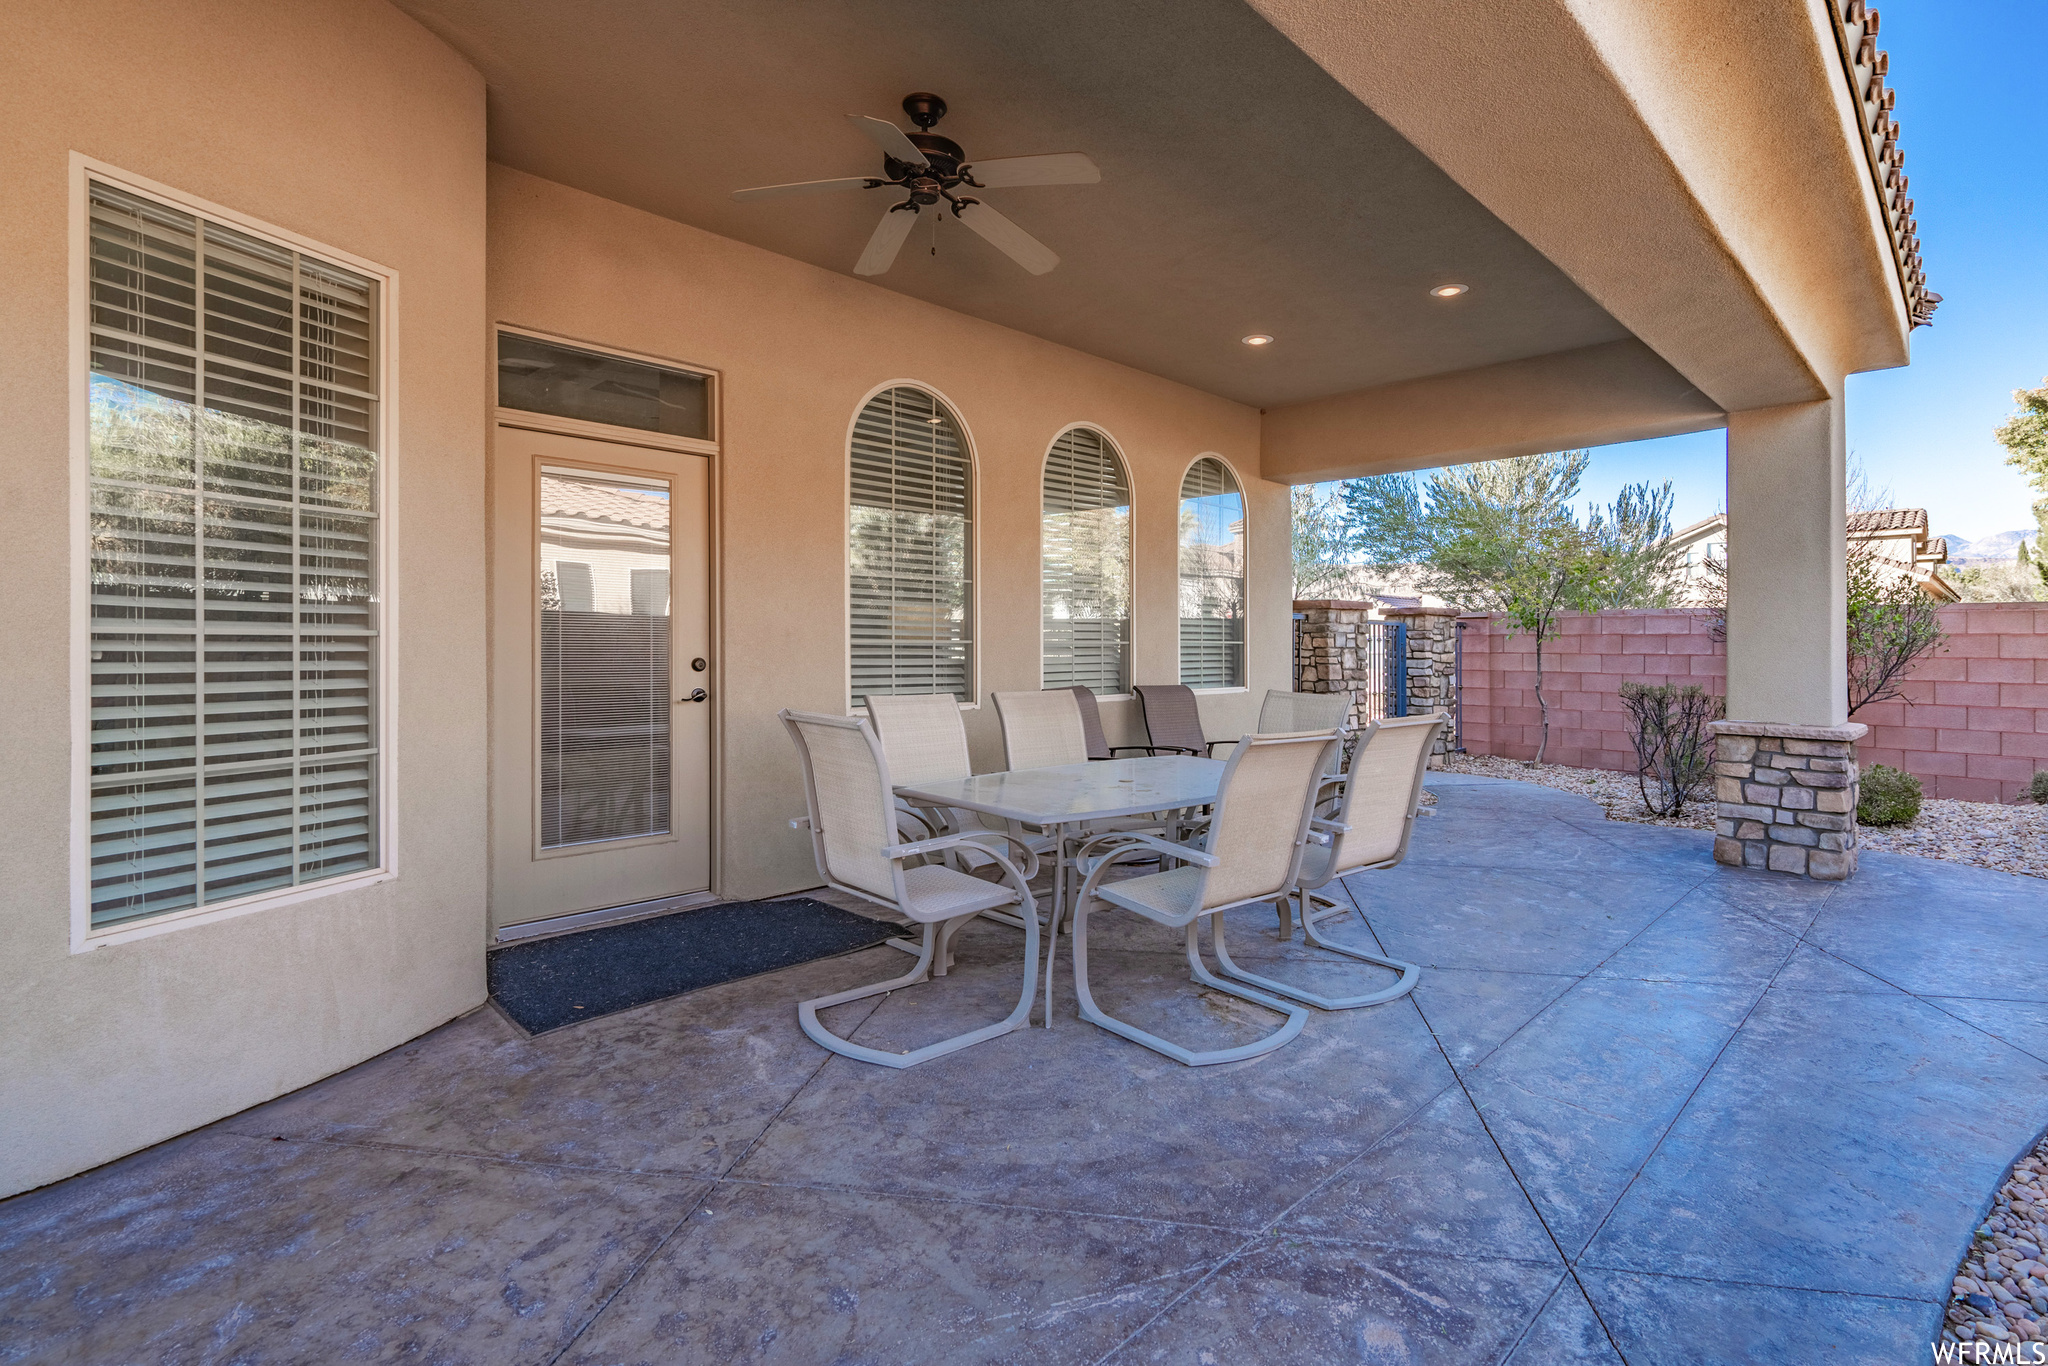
(601, 715)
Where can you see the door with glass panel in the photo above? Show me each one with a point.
(601, 692)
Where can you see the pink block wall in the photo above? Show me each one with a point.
(1973, 723)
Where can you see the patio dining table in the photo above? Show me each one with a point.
(1066, 797)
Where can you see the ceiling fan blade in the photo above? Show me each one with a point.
(1056, 168)
(1009, 239)
(886, 242)
(801, 187)
(889, 138)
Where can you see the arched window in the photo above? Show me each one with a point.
(1085, 566)
(1212, 561)
(909, 550)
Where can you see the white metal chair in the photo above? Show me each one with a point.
(1041, 729)
(1252, 853)
(853, 836)
(1375, 818)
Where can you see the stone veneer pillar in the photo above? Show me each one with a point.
(1787, 797)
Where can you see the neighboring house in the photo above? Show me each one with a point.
(1896, 535)
(309, 302)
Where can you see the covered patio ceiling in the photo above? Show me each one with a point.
(1244, 190)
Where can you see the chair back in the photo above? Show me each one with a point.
(1289, 713)
(1384, 792)
(1091, 722)
(852, 807)
(1041, 729)
(1263, 805)
(1172, 720)
(921, 735)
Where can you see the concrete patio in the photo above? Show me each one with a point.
(1641, 1108)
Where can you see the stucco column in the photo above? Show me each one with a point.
(1787, 579)
(1786, 776)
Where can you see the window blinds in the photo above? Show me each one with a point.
(605, 708)
(1212, 559)
(233, 523)
(1085, 566)
(908, 549)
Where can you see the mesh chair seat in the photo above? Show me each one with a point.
(1170, 897)
(935, 892)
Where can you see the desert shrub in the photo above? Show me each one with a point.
(1890, 796)
(1674, 753)
(2038, 789)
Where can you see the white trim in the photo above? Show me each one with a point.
(522, 420)
(973, 538)
(83, 937)
(605, 915)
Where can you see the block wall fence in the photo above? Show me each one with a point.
(1973, 723)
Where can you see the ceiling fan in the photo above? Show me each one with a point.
(932, 169)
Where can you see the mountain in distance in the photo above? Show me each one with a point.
(2002, 545)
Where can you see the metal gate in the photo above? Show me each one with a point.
(1378, 678)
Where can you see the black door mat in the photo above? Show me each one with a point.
(562, 981)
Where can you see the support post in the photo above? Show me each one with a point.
(1786, 775)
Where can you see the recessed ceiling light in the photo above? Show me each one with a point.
(1257, 339)
(1449, 291)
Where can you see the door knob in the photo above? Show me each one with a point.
(696, 695)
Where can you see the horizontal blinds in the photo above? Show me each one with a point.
(908, 549)
(1085, 566)
(605, 708)
(234, 526)
(1212, 561)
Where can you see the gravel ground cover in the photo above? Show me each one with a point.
(2001, 1289)
(2012, 839)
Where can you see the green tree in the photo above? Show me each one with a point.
(1322, 543)
(2025, 438)
(1503, 537)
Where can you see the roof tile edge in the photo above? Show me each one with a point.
(1856, 26)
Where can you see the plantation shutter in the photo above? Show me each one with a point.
(1212, 558)
(1085, 566)
(234, 525)
(908, 549)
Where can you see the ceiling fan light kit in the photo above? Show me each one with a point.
(931, 170)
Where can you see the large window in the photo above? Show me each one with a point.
(1085, 565)
(909, 549)
(1211, 577)
(233, 560)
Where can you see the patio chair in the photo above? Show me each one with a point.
(1091, 721)
(1374, 820)
(1173, 723)
(1288, 713)
(1041, 729)
(852, 822)
(1252, 853)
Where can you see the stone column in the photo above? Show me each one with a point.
(1432, 661)
(1330, 660)
(1787, 797)
(1785, 772)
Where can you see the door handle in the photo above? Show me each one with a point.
(696, 695)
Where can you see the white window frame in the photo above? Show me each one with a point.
(1245, 504)
(967, 441)
(84, 938)
(1131, 483)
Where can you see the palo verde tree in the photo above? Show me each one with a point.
(1503, 537)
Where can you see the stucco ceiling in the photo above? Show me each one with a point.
(1242, 189)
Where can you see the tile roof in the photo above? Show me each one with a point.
(1888, 519)
(599, 503)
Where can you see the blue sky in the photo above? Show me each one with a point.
(1973, 111)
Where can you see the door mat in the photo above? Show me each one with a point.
(550, 983)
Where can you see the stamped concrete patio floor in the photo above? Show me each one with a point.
(1642, 1108)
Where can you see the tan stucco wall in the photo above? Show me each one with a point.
(799, 348)
(346, 122)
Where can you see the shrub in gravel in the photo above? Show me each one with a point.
(1674, 753)
(2038, 789)
(1890, 796)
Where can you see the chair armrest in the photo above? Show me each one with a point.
(1334, 827)
(1153, 749)
(1214, 743)
(1138, 838)
(954, 841)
